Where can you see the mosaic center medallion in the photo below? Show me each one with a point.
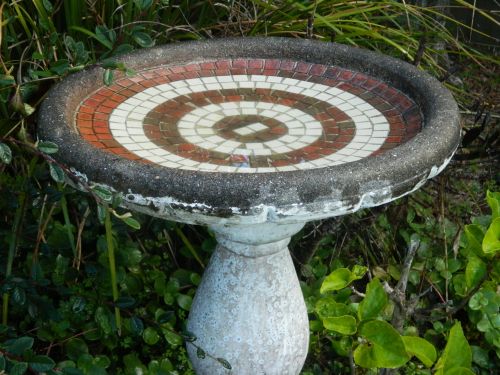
(247, 116)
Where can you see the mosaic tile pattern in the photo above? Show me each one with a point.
(247, 116)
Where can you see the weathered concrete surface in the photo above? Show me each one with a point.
(249, 308)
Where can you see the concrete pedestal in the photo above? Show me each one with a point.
(249, 308)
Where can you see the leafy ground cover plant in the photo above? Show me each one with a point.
(89, 289)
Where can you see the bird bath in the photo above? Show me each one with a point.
(253, 137)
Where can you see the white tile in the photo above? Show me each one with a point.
(183, 91)
(229, 85)
(262, 151)
(232, 112)
(286, 168)
(126, 140)
(142, 96)
(363, 126)
(207, 80)
(156, 159)
(282, 149)
(194, 139)
(254, 145)
(361, 138)
(264, 105)
(314, 132)
(117, 125)
(246, 85)
(279, 86)
(169, 164)
(206, 145)
(215, 139)
(133, 101)
(223, 79)
(226, 169)
(143, 153)
(266, 170)
(360, 118)
(308, 139)
(231, 144)
(363, 131)
(205, 131)
(295, 125)
(189, 162)
(242, 151)
(288, 138)
(378, 120)
(214, 117)
(213, 86)
(263, 85)
(269, 113)
(140, 138)
(240, 78)
(284, 118)
(135, 131)
(274, 79)
(380, 133)
(274, 143)
(140, 110)
(208, 167)
(371, 147)
(257, 78)
(296, 131)
(249, 111)
(188, 132)
(178, 84)
(304, 84)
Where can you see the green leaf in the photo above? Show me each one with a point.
(143, 39)
(328, 307)
(224, 363)
(337, 280)
(459, 371)
(493, 199)
(20, 345)
(172, 337)
(374, 302)
(2, 362)
(19, 368)
(143, 4)
(107, 77)
(5, 153)
(150, 336)
(56, 172)
(420, 348)
(165, 317)
(184, 301)
(474, 235)
(136, 325)
(474, 272)
(102, 318)
(103, 193)
(48, 6)
(125, 302)
(200, 353)
(131, 222)
(41, 363)
(189, 336)
(48, 147)
(457, 352)
(491, 240)
(345, 325)
(105, 36)
(386, 348)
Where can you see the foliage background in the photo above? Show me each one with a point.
(88, 289)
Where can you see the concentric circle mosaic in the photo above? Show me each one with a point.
(247, 116)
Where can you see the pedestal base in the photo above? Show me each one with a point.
(249, 308)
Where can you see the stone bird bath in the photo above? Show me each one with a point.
(253, 137)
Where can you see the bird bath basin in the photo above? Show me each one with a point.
(253, 137)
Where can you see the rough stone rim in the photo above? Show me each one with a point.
(332, 190)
